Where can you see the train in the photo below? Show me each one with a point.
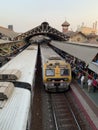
(56, 72)
(17, 79)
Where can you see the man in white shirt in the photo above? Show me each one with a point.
(82, 80)
(89, 82)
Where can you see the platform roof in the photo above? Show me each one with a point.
(7, 32)
(4, 41)
(83, 51)
(94, 67)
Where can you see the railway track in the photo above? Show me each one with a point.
(61, 114)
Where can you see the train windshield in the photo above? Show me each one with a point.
(64, 72)
(50, 72)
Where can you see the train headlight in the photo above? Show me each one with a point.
(52, 84)
(53, 81)
(48, 79)
(66, 79)
(61, 84)
(61, 81)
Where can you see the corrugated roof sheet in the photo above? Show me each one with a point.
(4, 41)
(26, 59)
(13, 116)
(8, 32)
(93, 66)
(83, 51)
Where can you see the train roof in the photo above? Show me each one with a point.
(14, 113)
(49, 54)
(24, 64)
(54, 57)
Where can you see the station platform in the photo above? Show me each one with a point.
(87, 101)
(92, 95)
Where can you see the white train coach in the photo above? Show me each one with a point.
(16, 90)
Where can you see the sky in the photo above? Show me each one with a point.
(28, 14)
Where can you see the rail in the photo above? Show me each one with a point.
(56, 107)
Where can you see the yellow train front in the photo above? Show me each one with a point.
(56, 75)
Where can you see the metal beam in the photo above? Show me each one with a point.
(43, 29)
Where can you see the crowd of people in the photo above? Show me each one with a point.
(83, 74)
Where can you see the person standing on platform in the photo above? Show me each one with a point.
(82, 80)
(89, 83)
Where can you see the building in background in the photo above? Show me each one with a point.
(10, 27)
(65, 26)
(77, 36)
(83, 34)
(7, 34)
(88, 30)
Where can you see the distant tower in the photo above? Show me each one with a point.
(94, 27)
(65, 26)
(10, 27)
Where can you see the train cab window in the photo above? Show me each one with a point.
(64, 72)
(50, 72)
